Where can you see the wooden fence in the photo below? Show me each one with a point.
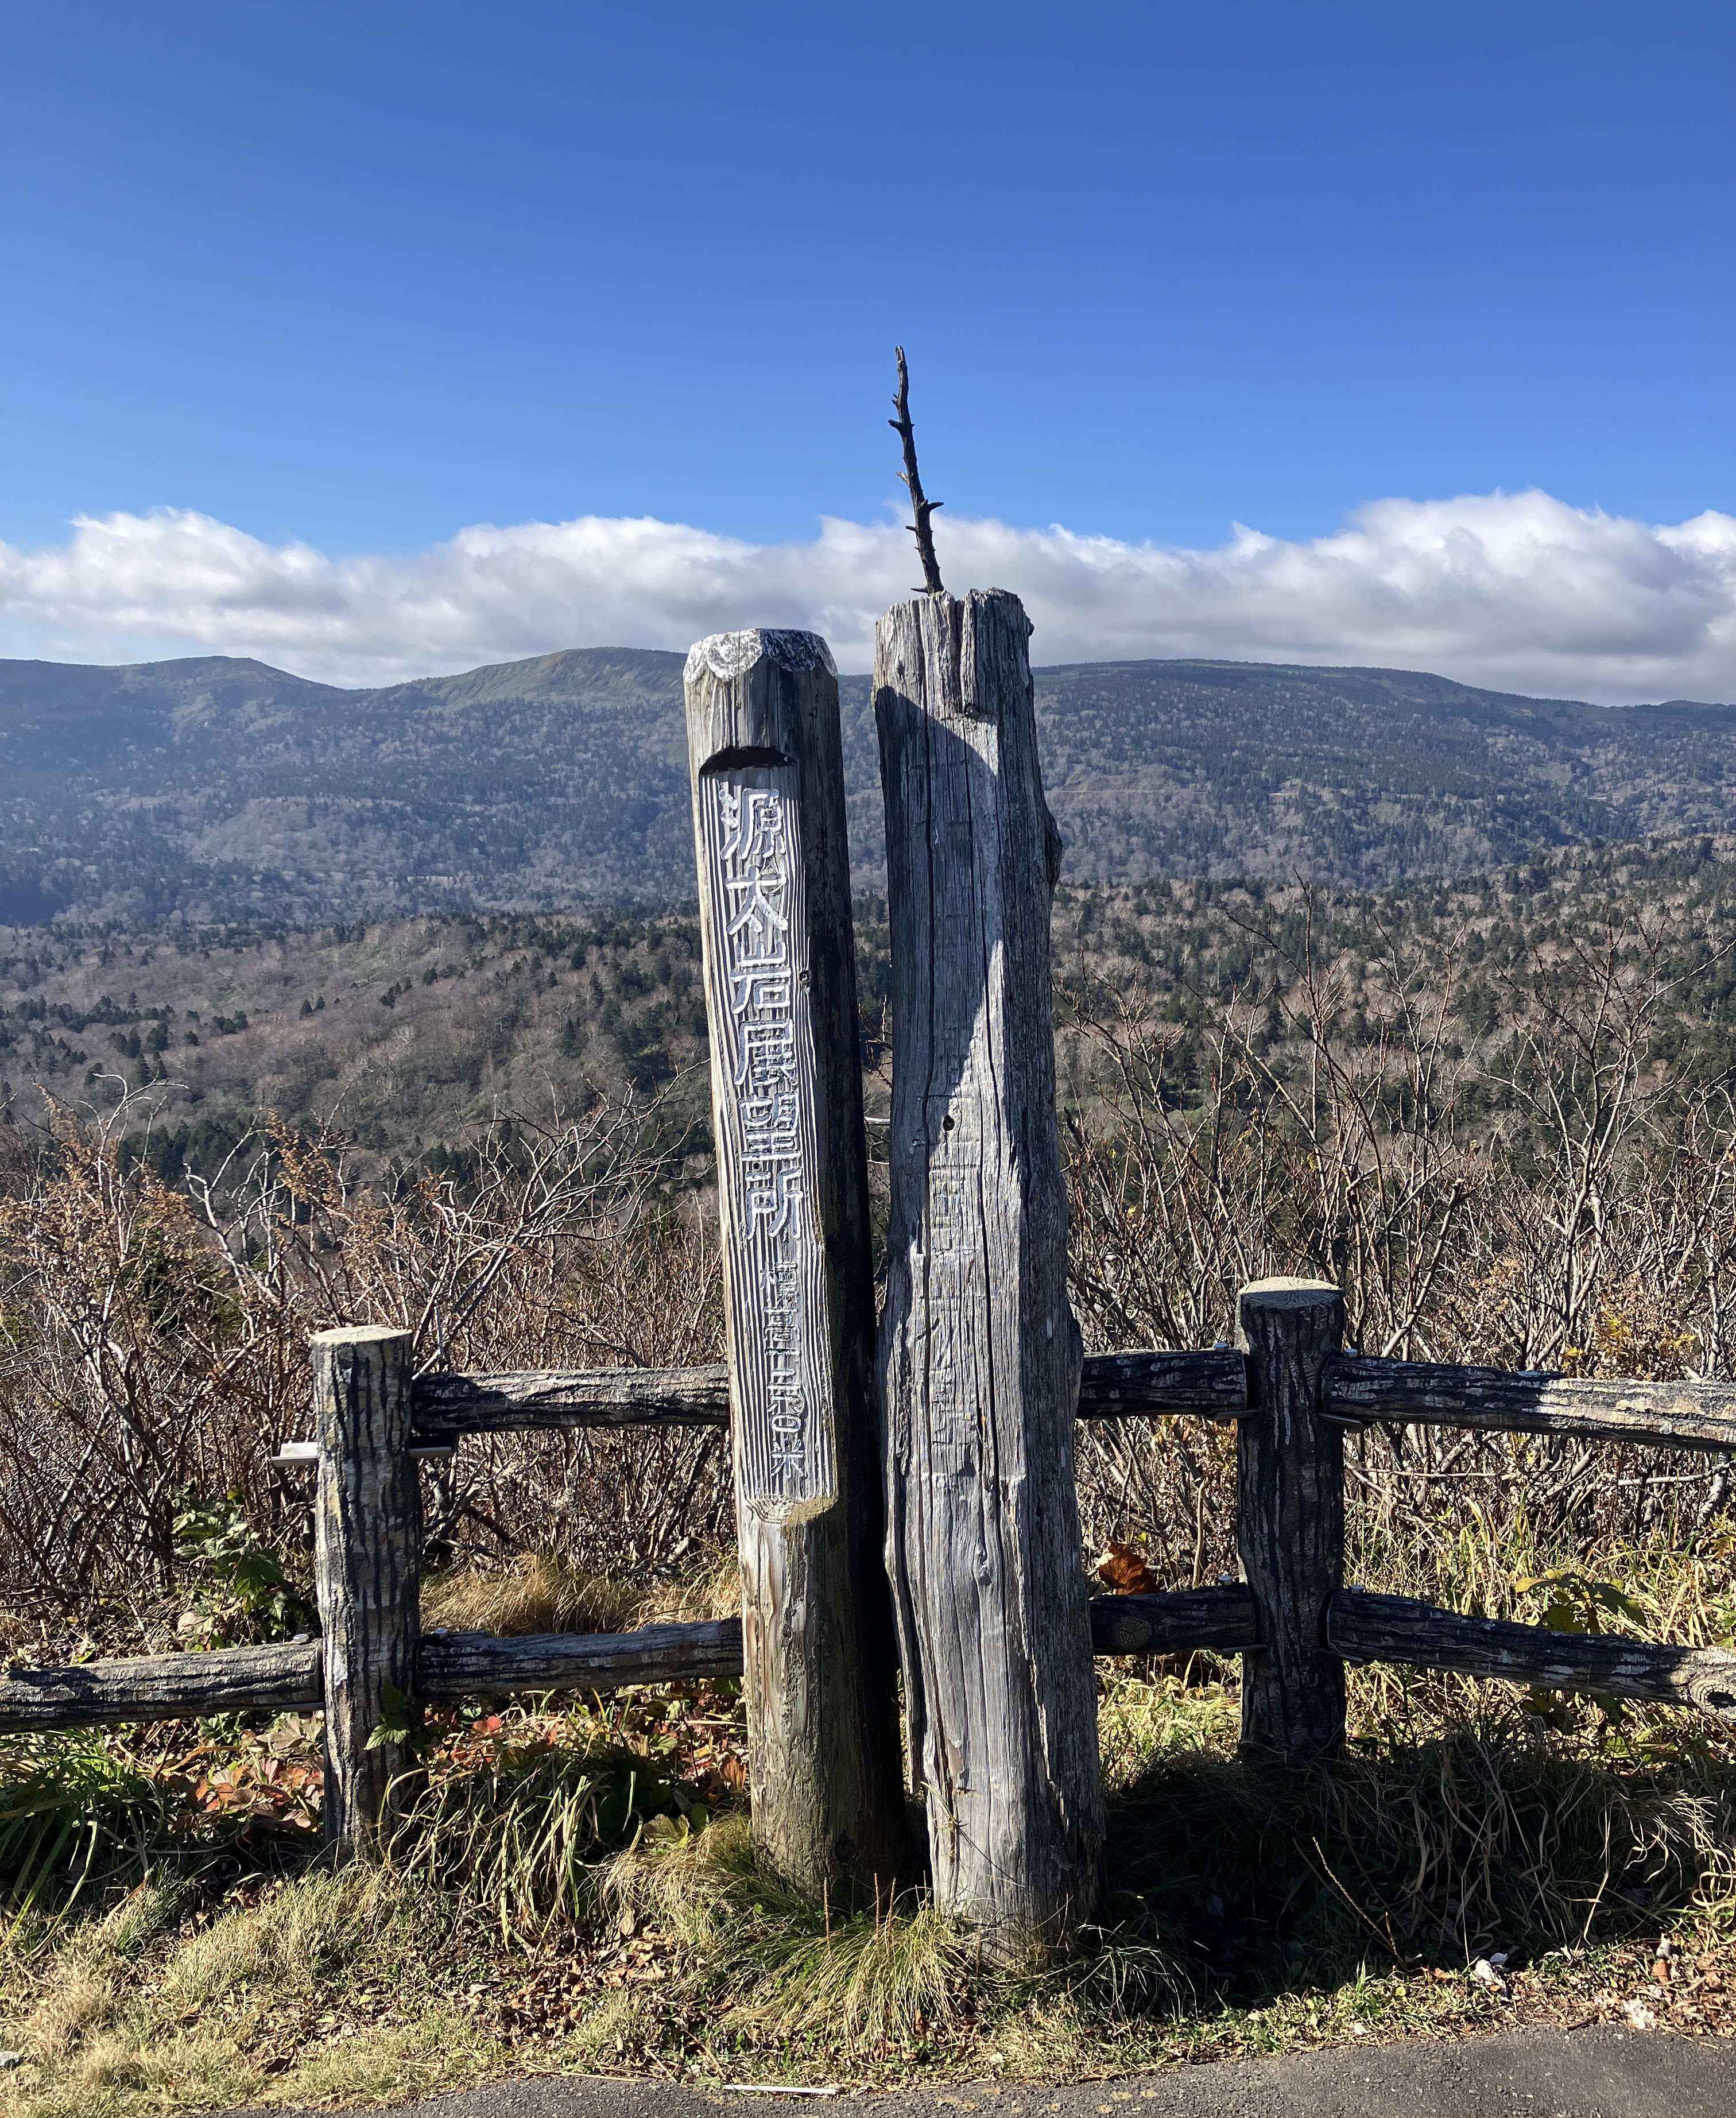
(912, 1499)
(1252, 1387)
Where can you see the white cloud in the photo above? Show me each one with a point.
(1518, 591)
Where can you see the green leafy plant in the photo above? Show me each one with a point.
(240, 1592)
(1576, 1603)
(69, 1804)
(397, 1722)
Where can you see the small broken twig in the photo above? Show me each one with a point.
(931, 581)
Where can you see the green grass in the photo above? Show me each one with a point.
(579, 1890)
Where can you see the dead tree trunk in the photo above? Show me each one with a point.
(979, 1354)
(368, 1558)
(780, 986)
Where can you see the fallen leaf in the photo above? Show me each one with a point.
(1124, 1570)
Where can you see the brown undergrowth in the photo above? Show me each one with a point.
(575, 1886)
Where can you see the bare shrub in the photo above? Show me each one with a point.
(155, 1341)
(1555, 1199)
(1553, 1194)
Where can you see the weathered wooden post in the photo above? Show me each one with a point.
(368, 1558)
(979, 1354)
(1290, 1518)
(787, 1100)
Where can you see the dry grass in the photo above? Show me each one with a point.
(288, 1994)
(1250, 1910)
(543, 1593)
(539, 1594)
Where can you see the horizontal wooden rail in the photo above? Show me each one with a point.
(1396, 1629)
(1359, 1627)
(516, 1400)
(1682, 1415)
(476, 1665)
(1182, 1621)
(1213, 1384)
(1364, 1628)
(286, 1679)
(283, 1679)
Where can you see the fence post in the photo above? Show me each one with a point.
(1290, 1518)
(368, 1559)
(764, 750)
(979, 1355)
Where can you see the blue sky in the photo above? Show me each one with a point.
(359, 276)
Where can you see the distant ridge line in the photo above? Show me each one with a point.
(139, 792)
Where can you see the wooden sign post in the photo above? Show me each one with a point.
(786, 1102)
(979, 1354)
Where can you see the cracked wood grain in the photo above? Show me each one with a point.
(779, 967)
(1365, 1628)
(979, 1355)
(281, 1679)
(368, 1559)
(1678, 1415)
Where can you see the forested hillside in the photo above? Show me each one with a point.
(407, 1034)
(219, 791)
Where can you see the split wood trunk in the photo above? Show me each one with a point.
(767, 767)
(1290, 1518)
(367, 1560)
(979, 1355)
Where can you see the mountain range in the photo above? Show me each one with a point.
(221, 790)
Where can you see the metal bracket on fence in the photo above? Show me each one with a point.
(305, 1456)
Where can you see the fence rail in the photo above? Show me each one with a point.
(1361, 1627)
(1680, 1415)
(1211, 1385)
(1222, 1619)
(1357, 1391)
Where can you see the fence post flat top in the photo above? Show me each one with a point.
(359, 1334)
(1290, 1517)
(765, 754)
(1281, 1293)
(979, 1355)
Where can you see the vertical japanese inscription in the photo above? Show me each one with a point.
(762, 1094)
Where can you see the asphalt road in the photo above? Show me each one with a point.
(1599, 2072)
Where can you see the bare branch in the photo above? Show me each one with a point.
(932, 583)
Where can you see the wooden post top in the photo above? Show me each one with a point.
(965, 657)
(732, 654)
(745, 715)
(359, 1334)
(1290, 1293)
